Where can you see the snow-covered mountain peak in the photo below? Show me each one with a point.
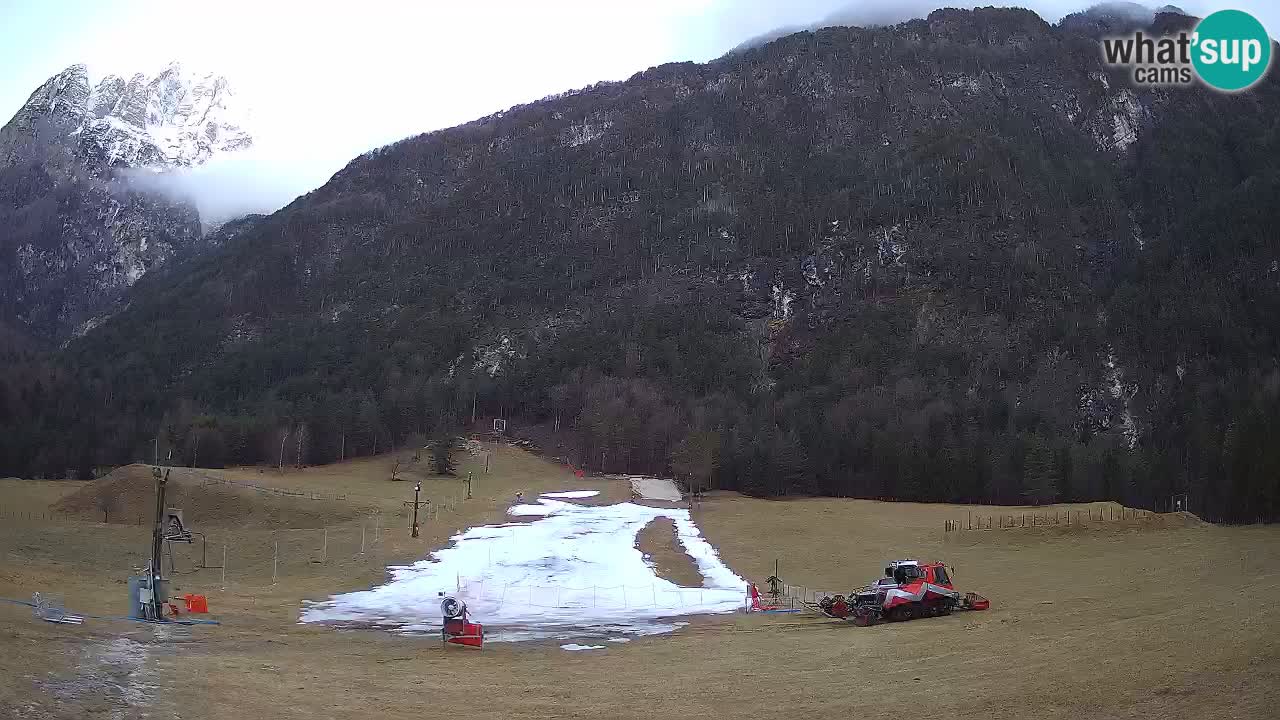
(177, 118)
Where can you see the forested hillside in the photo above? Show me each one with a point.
(955, 259)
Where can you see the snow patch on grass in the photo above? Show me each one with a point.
(574, 572)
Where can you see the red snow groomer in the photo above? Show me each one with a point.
(908, 590)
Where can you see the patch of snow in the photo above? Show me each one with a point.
(655, 489)
(83, 328)
(719, 84)
(574, 647)
(574, 573)
(492, 357)
(27, 258)
(178, 118)
(782, 299)
(570, 494)
(890, 246)
(586, 131)
(1119, 391)
(970, 85)
(530, 510)
(1116, 125)
(619, 640)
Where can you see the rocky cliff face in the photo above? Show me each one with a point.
(76, 225)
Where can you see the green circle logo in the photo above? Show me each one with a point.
(1231, 50)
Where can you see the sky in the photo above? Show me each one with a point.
(329, 81)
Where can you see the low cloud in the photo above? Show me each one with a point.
(878, 14)
(257, 180)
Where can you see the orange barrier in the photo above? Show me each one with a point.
(196, 603)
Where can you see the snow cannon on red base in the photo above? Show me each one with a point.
(458, 630)
(908, 591)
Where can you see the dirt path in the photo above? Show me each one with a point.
(662, 549)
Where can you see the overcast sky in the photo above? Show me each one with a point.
(329, 81)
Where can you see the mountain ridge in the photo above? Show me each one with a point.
(954, 259)
(80, 227)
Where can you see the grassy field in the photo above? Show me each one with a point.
(1106, 620)
(27, 496)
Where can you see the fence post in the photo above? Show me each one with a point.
(324, 550)
(275, 562)
(362, 538)
(224, 566)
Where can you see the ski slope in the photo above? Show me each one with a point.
(574, 572)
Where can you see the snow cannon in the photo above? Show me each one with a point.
(458, 630)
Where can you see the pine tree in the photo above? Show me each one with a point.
(441, 455)
(696, 458)
(1039, 473)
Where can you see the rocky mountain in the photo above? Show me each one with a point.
(78, 224)
(954, 259)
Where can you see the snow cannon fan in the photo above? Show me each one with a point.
(457, 629)
(453, 609)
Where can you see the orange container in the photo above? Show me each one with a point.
(196, 603)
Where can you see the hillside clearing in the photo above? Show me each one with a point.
(1095, 623)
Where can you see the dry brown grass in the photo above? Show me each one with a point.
(1098, 622)
(131, 492)
(34, 495)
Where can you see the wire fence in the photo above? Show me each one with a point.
(267, 558)
(207, 479)
(1039, 519)
(240, 558)
(40, 516)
